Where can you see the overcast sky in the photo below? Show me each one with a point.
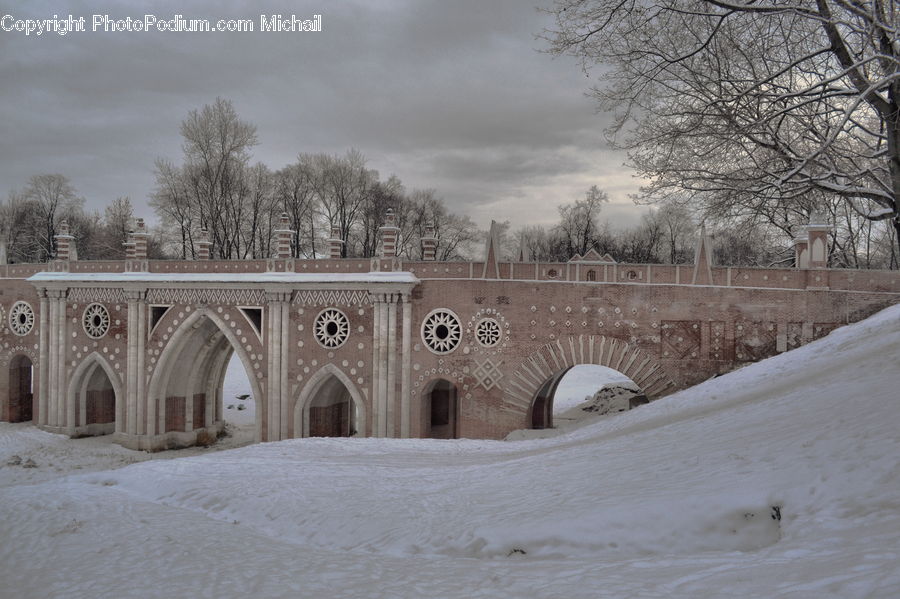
(450, 95)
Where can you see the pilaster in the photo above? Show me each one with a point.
(405, 415)
(391, 397)
(44, 361)
(278, 391)
(129, 410)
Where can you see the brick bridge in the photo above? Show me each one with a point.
(386, 347)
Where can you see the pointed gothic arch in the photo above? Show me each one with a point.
(329, 376)
(184, 392)
(94, 398)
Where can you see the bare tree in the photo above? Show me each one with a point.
(217, 148)
(295, 193)
(342, 187)
(750, 104)
(52, 195)
(259, 213)
(379, 197)
(173, 204)
(677, 229)
(579, 222)
(22, 228)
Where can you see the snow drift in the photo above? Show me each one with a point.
(778, 480)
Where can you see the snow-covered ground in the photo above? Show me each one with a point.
(237, 386)
(673, 499)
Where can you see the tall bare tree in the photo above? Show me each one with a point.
(579, 221)
(343, 185)
(174, 205)
(295, 193)
(217, 148)
(53, 196)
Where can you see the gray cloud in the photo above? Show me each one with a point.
(448, 95)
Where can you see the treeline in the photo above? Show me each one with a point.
(217, 192)
(30, 219)
(217, 189)
(664, 235)
(667, 234)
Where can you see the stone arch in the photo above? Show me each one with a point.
(219, 341)
(83, 414)
(440, 409)
(545, 364)
(314, 385)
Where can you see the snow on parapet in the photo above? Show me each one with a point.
(253, 277)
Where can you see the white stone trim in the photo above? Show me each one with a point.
(430, 321)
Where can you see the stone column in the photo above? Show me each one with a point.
(376, 363)
(56, 343)
(391, 396)
(129, 409)
(44, 360)
(405, 414)
(285, 365)
(278, 391)
(381, 410)
(62, 331)
(52, 378)
(384, 364)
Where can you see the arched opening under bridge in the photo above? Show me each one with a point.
(579, 391)
(187, 391)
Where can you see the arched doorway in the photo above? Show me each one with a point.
(331, 412)
(329, 405)
(21, 396)
(575, 392)
(186, 392)
(99, 400)
(441, 410)
(93, 394)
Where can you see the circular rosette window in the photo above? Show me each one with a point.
(441, 331)
(331, 328)
(488, 332)
(95, 321)
(21, 318)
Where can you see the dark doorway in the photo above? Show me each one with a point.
(21, 396)
(441, 411)
(331, 413)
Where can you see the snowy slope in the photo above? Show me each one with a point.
(673, 499)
